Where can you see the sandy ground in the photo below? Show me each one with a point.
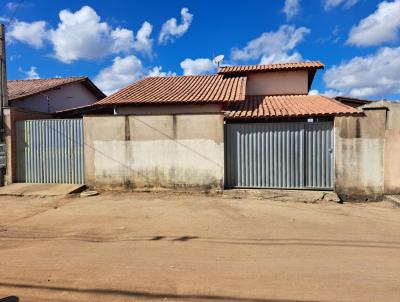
(181, 247)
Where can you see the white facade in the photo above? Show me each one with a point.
(58, 99)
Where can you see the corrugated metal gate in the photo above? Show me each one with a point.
(50, 151)
(279, 155)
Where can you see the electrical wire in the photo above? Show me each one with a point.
(14, 13)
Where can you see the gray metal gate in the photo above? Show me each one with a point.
(50, 151)
(279, 155)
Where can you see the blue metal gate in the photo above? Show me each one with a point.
(279, 155)
(50, 151)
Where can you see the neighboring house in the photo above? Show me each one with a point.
(353, 102)
(52, 95)
(40, 99)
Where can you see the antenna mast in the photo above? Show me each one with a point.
(218, 60)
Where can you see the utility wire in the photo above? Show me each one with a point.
(12, 17)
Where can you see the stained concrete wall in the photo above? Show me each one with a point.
(277, 82)
(65, 97)
(11, 117)
(169, 109)
(367, 163)
(392, 150)
(171, 151)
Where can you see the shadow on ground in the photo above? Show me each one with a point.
(139, 294)
(10, 299)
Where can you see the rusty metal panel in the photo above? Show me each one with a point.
(279, 155)
(50, 151)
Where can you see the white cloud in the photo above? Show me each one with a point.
(81, 35)
(12, 6)
(329, 93)
(32, 34)
(281, 58)
(122, 72)
(373, 75)
(32, 73)
(291, 8)
(274, 46)
(157, 72)
(197, 66)
(14, 57)
(381, 26)
(170, 30)
(143, 41)
(330, 4)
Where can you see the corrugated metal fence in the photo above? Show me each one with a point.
(50, 151)
(279, 155)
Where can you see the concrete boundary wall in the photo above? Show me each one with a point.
(367, 163)
(143, 151)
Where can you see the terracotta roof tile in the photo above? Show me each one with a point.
(259, 106)
(23, 88)
(240, 69)
(201, 88)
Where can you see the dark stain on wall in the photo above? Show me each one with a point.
(127, 129)
(358, 129)
(174, 126)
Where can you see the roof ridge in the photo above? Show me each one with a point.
(272, 64)
(238, 69)
(54, 78)
(181, 76)
(283, 94)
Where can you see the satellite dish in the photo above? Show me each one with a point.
(218, 59)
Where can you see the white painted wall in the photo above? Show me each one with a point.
(277, 82)
(66, 97)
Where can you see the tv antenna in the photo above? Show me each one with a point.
(218, 59)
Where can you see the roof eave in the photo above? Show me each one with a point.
(85, 80)
(95, 90)
(293, 116)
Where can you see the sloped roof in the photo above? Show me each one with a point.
(22, 88)
(287, 106)
(180, 89)
(240, 69)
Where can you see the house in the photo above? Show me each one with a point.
(246, 126)
(251, 126)
(41, 99)
(52, 95)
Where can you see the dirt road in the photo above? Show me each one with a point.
(170, 247)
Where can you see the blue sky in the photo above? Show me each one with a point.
(117, 42)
